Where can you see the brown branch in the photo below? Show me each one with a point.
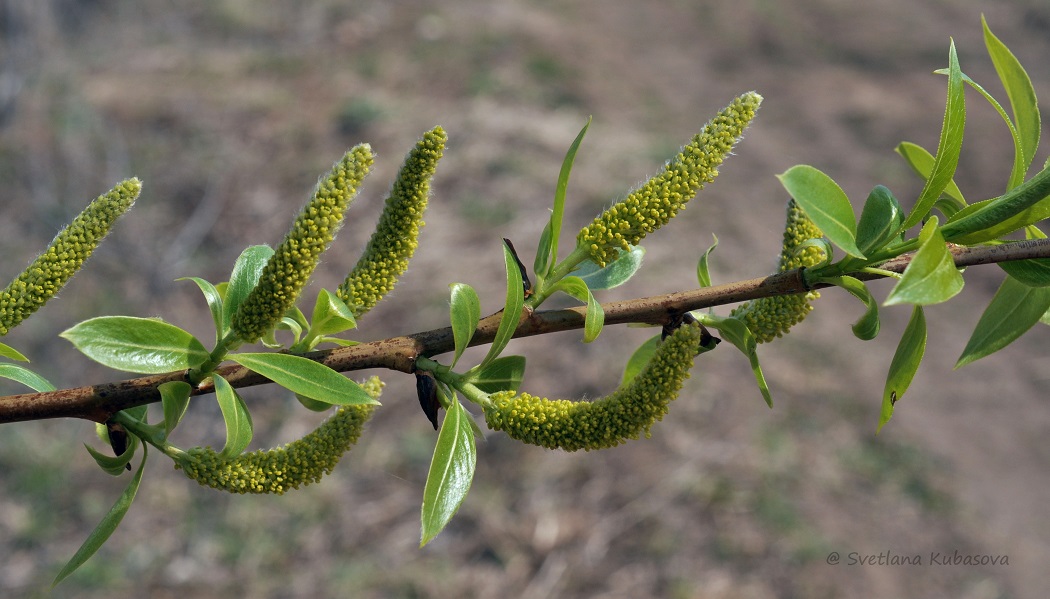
(100, 402)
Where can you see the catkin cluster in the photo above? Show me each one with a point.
(292, 263)
(605, 422)
(66, 254)
(772, 317)
(396, 236)
(655, 203)
(280, 469)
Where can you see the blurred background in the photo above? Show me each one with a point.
(229, 110)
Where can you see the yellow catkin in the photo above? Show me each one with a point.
(772, 317)
(396, 235)
(280, 469)
(606, 422)
(294, 260)
(60, 261)
(655, 203)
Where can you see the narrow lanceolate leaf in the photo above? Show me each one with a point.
(6, 351)
(464, 314)
(1014, 309)
(867, 327)
(546, 258)
(142, 345)
(214, 299)
(174, 398)
(245, 276)
(703, 267)
(105, 528)
(639, 359)
(595, 318)
(904, 365)
(239, 429)
(825, 204)
(931, 277)
(615, 274)
(948, 146)
(502, 374)
(511, 308)
(305, 377)
(451, 471)
(1023, 205)
(736, 332)
(1022, 98)
(1035, 272)
(25, 376)
(922, 162)
(115, 465)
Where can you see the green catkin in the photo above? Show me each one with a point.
(292, 263)
(60, 261)
(396, 235)
(655, 203)
(772, 317)
(606, 422)
(280, 469)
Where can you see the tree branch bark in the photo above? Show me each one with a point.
(99, 402)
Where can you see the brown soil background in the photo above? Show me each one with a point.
(230, 109)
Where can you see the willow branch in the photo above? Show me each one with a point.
(101, 402)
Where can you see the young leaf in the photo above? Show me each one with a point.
(451, 471)
(27, 377)
(331, 316)
(305, 377)
(245, 276)
(115, 465)
(464, 314)
(214, 299)
(142, 345)
(703, 273)
(542, 262)
(931, 277)
(921, 161)
(236, 416)
(1023, 102)
(867, 328)
(736, 332)
(1026, 204)
(904, 365)
(6, 351)
(595, 319)
(639, 359)
(825, 203)
(174, 398)
(948, 146)
(511, 308)
(559, 201)
(502, 374)
(880, 220)
(1014, 309)
(615, 273)
(106, 527)
(1035, 272)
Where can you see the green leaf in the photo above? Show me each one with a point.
(142, 345)
(1023, 102)
(1026, 204)
(464, 313)
(312, 404)
(502, 374)
(305, 377)
(922, 162)
(736, 332)
(542, 262)
(21, 374)
(331, 316)
(703, 273)
(105, 528)
(511, 308)
(451, 471)
(904, 365)
(214, 299)
(1034, 272)
(236, 416)
(245, 276)
(595, 319)
(174, 398)
(825, 203)
(880, 220)
(948, 146)
(559, 201)
(614, 274)
(1014, 309)
(931, 277)
(639, 359)
(115, 465)
(6, 351)
(867, 327)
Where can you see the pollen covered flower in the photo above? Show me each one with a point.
(277, 470)
(772, 317)
(396, 236)
(652, 205)
(66, 254)
(605, 422)
(292, 263)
